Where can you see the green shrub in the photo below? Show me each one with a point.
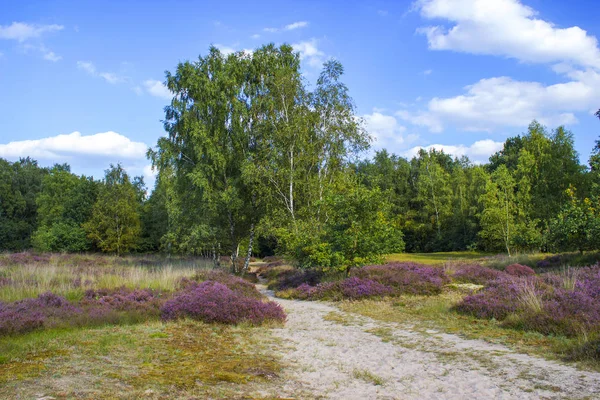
(60, 237)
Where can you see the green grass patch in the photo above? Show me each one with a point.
(368, 377)
(440, 258)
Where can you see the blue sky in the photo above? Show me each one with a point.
(80, 81)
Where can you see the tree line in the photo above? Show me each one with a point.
(52, 209)
(257, 161)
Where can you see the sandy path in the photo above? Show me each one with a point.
(347, 360)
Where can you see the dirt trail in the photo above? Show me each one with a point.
(355, 357)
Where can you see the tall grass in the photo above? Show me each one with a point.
(72, 279)
(529, 297)
(569, 277)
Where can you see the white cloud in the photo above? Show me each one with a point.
(46, 53)
(478, 152)
(61, 147)
(51, 56)
(21, 31)
(386, 131)
(506, 28)
(87, 67)
(288, 27)
(502, 101)
(310, 52)
(149, 173)
(427, 72)
(382, 13)
(109, 77)
(255, 36)
(420, 118)
(296, 25)
(227, 50)
(509, 28)
(157, 89)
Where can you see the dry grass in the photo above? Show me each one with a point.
(530, 298)
(71, 281)
(368, 377)
(153, 360)
(569, 277)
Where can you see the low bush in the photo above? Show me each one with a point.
(351, 288)
(106, 305)
(235, 283)
(47, 310)
(476, 274)
(406, 278)
(496, 301)
(553, 304)
(295, 278)
(519, 270)
(211, 301)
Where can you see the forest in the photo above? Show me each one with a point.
(256, 161)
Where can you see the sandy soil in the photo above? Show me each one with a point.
(336, 355)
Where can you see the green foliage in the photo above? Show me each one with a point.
(64, 204)
(577, 226)
(358, 230)
(115, 223)
(59, 237)
(20, 183)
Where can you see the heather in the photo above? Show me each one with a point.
(98, 307)
(563, 303)
(353, 288)
(371, 281)
(235, 283)
(519, 270)
(48, 291)
(406, 278)
(211, 301)
(476, 274)
(293, 278)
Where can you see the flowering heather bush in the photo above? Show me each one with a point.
(519, 270)
(350, 288)
(47, 310)
(587, 280)
(214, 302)
(545, 304)
(294, 278)
(235, 283)
(568, 313)
(477, 274)
(406, 278)
(496, 301)
(141, 301)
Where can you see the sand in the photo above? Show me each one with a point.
(345, 359)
